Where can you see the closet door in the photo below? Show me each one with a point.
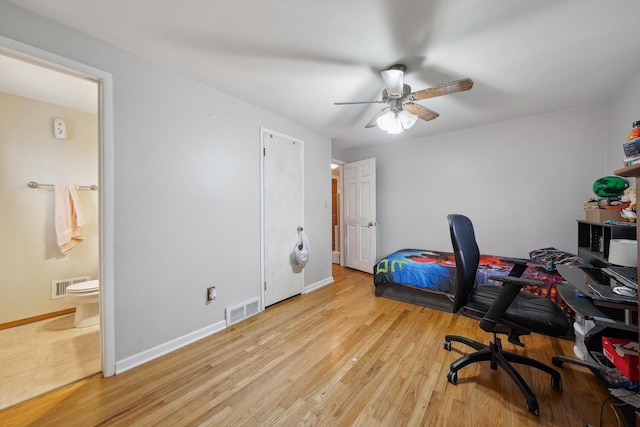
(283, 213)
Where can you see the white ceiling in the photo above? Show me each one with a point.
(33, 81)
(297, 57)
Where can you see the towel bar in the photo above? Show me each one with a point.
(33, 184)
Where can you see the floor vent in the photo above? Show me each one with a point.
(252, 308)
(242, 311)
(59, 287)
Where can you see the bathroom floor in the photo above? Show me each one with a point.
(42, 356)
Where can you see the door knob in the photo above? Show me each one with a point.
(371, 224)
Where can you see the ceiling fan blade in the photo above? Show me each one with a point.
(444, 89)
(357, 102)
(373, 123)
(420, 111)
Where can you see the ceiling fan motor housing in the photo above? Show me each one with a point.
(406, 90)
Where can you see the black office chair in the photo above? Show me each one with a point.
(501, 310)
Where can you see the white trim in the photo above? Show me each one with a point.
(162, 349)
(319, 284)
(264, 130)
(106, 181)
(342, 219)
(340, 248)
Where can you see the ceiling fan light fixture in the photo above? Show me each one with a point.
(386, 121)
(390, 123)
(393, 82)
(407, 119)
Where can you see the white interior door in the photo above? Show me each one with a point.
(360, 215)
(283, 213)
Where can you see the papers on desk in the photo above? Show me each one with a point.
(606, 293)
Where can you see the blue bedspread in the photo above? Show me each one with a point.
(433, 270)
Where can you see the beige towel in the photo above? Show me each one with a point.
(68, 216)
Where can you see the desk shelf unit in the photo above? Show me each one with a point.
(594, 240)
(632, 172)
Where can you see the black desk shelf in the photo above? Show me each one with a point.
(632, 172)
(594, 239)
(602, 313)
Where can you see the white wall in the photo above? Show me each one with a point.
(622, 110)
(523, 183)
(29, 255)
(187, 199)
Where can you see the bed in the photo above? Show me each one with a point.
(426, 277)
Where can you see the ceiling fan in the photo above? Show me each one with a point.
(402, 112)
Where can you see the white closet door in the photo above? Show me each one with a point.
(283, 214)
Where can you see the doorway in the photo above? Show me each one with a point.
(336, 212)
(34, 273)
(283, 216)
(104, 164)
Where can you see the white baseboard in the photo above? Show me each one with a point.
(162, 349)
(318, 285)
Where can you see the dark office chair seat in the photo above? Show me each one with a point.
(501, 310)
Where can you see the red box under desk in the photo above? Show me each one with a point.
(623, 354)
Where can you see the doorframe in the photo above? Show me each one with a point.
(340, 163)
(264, 130)
(106, 174)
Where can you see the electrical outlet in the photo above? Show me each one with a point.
(211, 293)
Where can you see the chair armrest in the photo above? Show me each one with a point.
(519, 265)
(510, 289)
(516, 280)
(515, 260)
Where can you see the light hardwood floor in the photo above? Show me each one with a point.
(338, 356)
(41, 356)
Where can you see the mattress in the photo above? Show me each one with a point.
(433, 270)
(427, 277)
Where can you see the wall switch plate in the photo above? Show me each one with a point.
(59, 129)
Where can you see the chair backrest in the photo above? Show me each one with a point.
(467, 257)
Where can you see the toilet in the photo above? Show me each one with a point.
(86, 297)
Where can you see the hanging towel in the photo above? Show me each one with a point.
(68, 216)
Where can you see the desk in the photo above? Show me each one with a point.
(603, 313)
(579, 279)
(633, 172)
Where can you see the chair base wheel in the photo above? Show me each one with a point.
(533, 408)
(556, 361)
(452, 377)
(447, 345)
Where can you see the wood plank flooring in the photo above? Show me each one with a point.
(41, 356)
(338, 356)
